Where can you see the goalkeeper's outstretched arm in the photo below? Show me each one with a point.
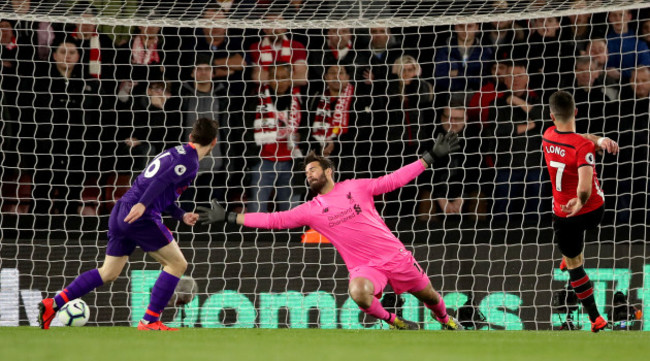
(444, 145)
(297, 217)
(292, 218)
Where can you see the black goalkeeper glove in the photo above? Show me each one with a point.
(444, 145)
(214, 214)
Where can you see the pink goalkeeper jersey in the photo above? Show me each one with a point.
(348, 218)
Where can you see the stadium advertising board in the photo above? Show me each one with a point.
(512, 286)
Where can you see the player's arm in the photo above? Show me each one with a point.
(583, 192)
(394, 180)
(179, 214)
(277, 220)
(292, 218)
(602, 143)
(166, 175)
(135, 213)
(442, 147)
(155, 188)
(175, 211)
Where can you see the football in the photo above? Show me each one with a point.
(74, 313)
(184, 292)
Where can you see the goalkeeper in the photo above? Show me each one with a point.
(345, 213)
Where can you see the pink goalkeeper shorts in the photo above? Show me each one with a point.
(402, 272)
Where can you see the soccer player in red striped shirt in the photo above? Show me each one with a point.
(578, 201)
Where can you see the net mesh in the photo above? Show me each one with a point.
(92, 91)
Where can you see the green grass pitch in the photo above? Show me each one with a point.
(123, 343)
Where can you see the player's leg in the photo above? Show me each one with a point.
(434, 302)
(89, 280)
(365, 288)
(118, 250)
(583, 288)
(362, 291)
(83, 284)
(174, 265)
(569, 235)
(157, 240)
(406, 275)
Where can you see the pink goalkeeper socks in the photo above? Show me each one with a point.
(378, 311)
(439, 309)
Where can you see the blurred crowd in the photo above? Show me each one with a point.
(84, 108)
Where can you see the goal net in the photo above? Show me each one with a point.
(91, 91)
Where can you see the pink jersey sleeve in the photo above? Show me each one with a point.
(397, 179)
(292, 218)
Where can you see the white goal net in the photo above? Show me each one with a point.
(92, 90)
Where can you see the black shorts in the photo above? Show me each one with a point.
(570, 232)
